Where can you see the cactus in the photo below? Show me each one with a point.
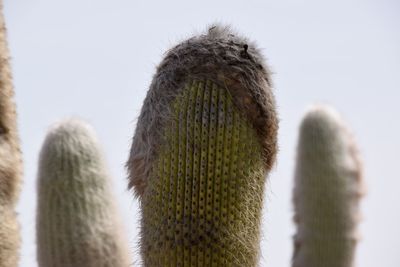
(204, 143)
(10, 159)
(77, 221)
(328, 187)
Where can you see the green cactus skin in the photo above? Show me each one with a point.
(77, 221)
(10, 159)
(328, 187)
(204, 199)
(204, 143)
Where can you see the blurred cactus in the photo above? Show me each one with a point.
(10, 159)
(204, 143)
(328, 186)
(77, 221)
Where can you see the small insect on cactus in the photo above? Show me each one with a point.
(10, 160)
(204, 144)
(328, 187)
(77, 221)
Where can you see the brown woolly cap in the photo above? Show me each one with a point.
(225, 58)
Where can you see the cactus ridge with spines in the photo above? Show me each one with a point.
(204, 198)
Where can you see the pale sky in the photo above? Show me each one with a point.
(95, 59)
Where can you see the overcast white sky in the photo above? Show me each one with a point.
(95, 59)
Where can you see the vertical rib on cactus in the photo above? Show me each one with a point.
(77, 221)
(10, 159)
(204, 143)
(327, 192)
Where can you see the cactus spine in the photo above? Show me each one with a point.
(204, 143)
(10, 159)
(77, 222)
(327, 192)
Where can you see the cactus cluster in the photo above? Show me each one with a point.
(205, 142)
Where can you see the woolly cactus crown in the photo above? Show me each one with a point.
(229, 60)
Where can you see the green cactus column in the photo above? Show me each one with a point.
(77, 221)
(328, 187)
(203, 146)
(10, 159)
